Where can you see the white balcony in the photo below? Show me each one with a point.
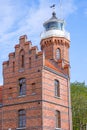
(57, 33)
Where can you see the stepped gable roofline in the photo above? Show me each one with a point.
(34, 48)
(6, 62)
(12, 54)
(23, 37)
(53, 19)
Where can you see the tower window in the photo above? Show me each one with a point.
(22, 86)
(58, 119)
(21, 118)
(58, 54)
(57, 88)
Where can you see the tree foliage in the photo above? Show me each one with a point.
(79, 105)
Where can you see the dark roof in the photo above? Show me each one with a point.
(53, 19)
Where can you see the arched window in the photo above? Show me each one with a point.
(21, 118)
(21, 60)
(57, 88)
(22, 86)
(58, 119)
(58, 54)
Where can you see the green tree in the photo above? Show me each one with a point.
(79, 105)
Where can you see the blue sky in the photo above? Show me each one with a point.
(19, 17)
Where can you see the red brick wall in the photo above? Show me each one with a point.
(33, 115)
(11, 99)
(51, 103)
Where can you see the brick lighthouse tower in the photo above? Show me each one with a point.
(55, 43)
(36, 91)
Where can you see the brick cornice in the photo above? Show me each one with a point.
(33, 101)
(55, 41)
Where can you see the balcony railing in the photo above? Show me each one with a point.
(57, 33)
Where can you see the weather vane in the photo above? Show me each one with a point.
(53, 7)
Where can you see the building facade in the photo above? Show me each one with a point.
(36, 93)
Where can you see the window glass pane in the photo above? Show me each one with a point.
(58, 119)
(56, 91)
(22, 86)
(20, 81)
(22, 118)
(57, 88)
(58, 54)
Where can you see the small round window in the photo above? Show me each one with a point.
(58, 54)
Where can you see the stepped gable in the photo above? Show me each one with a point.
(25, 46)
